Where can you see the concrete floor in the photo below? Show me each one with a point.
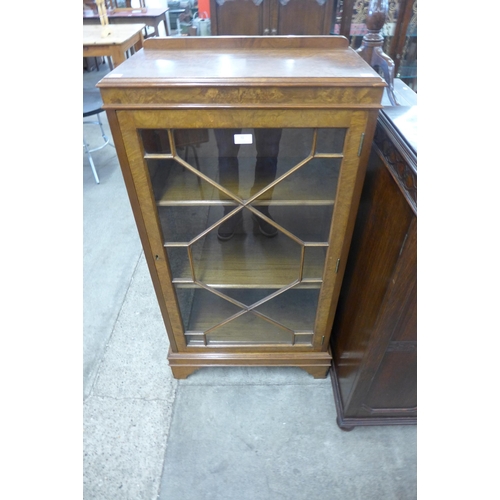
(223, 433)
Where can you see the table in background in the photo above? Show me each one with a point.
(122, 38)
(148, 16)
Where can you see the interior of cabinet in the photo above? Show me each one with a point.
(252, 289)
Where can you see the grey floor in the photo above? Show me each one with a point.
(225, 434)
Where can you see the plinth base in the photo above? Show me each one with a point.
(315, 363)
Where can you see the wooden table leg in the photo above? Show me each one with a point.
(155, 26)
(167, 24)
(139, 42)
(117, 55)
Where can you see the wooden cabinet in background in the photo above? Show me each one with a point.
(374, 336)
(271, 17)
(244, 160)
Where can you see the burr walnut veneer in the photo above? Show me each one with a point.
(244, 160)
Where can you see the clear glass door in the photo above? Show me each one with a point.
(246, 216)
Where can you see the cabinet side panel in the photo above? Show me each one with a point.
(405, 333)
(394, 388)
(391, 387)
(139, 220)
(407, 327)
(380, 230)
(153, 244)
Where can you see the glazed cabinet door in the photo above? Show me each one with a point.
(246, 215)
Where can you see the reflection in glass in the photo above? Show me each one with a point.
(267, 143)
(245, 216)
(247, 259)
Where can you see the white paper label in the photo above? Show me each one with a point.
(243, 138)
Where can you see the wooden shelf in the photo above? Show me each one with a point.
(309, 224)
(248, 260)
(183, 188)
(202, 311)
(175, 185)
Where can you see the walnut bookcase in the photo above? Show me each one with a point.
(269, 135)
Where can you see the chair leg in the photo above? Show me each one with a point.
(106, 140)
(89, 156)
(88, 151)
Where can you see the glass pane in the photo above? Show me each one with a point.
(301, 184)
(407, 67)
(202, 309)
(294, 308)
(357, 22)
(158, 141)
(307, 222)
(245, 216)
(248, 258)
(249, 329)
(183, 224)
(174, 184)
(178, 259)
(314, 262)
(300, 203)
(330, 140)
